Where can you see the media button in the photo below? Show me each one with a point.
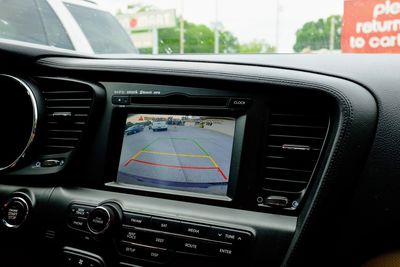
(198, 230)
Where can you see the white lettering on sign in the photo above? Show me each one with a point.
(387, 8)
(371, 26)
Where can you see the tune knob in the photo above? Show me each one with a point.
(103, 218)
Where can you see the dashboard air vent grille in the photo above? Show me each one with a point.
(295, 138)
(67, 108)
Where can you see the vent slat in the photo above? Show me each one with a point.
(294, 139)
(68, 107)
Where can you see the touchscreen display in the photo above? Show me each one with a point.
(178, 152)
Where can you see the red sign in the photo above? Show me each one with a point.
(371, 26)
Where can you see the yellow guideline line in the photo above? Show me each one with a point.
(172, 154)
(179, 155)
(136, 155)
(213, 161)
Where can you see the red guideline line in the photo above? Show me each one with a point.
(176, 167)
(222, 173)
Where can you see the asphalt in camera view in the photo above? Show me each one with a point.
(192, 156)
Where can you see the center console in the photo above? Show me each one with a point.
(148, 238)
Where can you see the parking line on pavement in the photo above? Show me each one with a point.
(206, 155)
(173, 154)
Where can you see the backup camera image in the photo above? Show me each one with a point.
(178, 152)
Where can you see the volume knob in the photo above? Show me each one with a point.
(101, 219)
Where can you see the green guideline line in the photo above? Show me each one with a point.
(202, 149)
(155, 140)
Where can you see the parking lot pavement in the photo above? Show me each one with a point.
(186, 158)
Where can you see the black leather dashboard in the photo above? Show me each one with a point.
(349, 210)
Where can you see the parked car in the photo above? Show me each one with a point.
(82, 26)
(159, 126)
(134, 129)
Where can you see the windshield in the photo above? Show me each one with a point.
(206, 26)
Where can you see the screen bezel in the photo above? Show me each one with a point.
(119, 117)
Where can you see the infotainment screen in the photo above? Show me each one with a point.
(177, 152)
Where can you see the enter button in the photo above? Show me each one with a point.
(198, 230)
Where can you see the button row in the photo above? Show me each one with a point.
(177, 243)
(187, 228)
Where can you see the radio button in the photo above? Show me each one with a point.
(139, 220)
(165, 224)
(198, 230)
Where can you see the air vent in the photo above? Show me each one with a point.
(295, 138)
(68, 106)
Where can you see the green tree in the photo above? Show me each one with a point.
(199, 38)
(315, 35)
(256, 47)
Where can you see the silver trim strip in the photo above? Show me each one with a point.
(26, 215)
(34, 123)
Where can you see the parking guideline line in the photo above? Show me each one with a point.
(152, 142)
(199, 146)
(140, 152)
(173, 154)
(174, 166)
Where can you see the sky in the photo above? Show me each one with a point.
(247, 19)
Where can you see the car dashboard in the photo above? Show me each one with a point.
(285, 160)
